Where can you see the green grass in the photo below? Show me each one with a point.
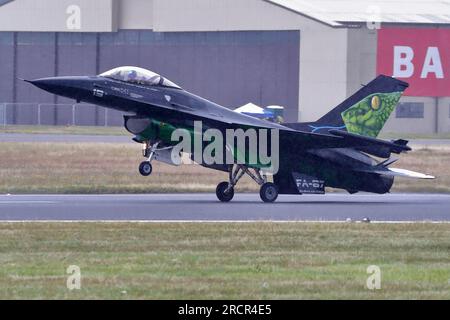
(224, 261)
(78, 130)
(112, 168)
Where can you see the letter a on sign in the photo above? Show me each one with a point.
(74, 20)
(432, 63)
(74, 278)
(374, 280)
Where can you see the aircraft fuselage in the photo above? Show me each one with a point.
(308, 161)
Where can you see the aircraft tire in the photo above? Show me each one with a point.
(268, 192)
(145, 168)
(220, 192)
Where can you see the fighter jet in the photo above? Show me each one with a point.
(340, 150)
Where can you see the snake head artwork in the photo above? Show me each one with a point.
(368, 116)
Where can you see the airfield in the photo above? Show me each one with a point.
(245, 207)
(53, 185)
(198, 206)
(71, 196)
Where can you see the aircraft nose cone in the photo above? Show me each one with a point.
(70, 87)
(48, 84)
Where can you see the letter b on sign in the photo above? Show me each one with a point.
(403, 66)
(374, 280)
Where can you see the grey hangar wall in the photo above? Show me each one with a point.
(230, 68)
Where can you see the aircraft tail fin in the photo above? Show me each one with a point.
(366, 111)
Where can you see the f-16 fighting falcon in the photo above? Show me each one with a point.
(340, 150)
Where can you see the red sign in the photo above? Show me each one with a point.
(420, 57)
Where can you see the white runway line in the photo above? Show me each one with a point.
(26, 202)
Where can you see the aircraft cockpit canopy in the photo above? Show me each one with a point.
(138, 76)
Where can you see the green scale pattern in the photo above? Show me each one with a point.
(368, 116)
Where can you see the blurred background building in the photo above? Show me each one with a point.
(306, 56)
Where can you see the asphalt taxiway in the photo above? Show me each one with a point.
(205, 207)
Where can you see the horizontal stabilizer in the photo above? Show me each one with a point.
(401, 142)
(373, 146)
(396, 172)
(409, 173)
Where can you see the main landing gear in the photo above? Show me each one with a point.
(268, 192)
(145, 168)
(225, 190)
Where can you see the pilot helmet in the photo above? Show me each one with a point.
(132, 74)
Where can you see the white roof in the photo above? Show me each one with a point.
(275, 107)
(339, 12)
(250, 108)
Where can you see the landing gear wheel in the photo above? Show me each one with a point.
(268, 192)
(145, 168)
(222, 195)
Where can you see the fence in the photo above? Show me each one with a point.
(58, 114)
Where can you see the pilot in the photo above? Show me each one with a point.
(132, 76)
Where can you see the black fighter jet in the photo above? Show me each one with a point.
(340, 150)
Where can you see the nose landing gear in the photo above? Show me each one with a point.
(145, 168)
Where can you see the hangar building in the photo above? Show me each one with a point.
(304, 55)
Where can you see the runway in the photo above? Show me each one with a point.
(205, 207)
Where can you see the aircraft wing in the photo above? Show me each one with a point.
(224, 116)
(296, 141)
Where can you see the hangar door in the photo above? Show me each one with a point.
(230, 68)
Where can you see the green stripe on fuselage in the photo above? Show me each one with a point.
(161, 130)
